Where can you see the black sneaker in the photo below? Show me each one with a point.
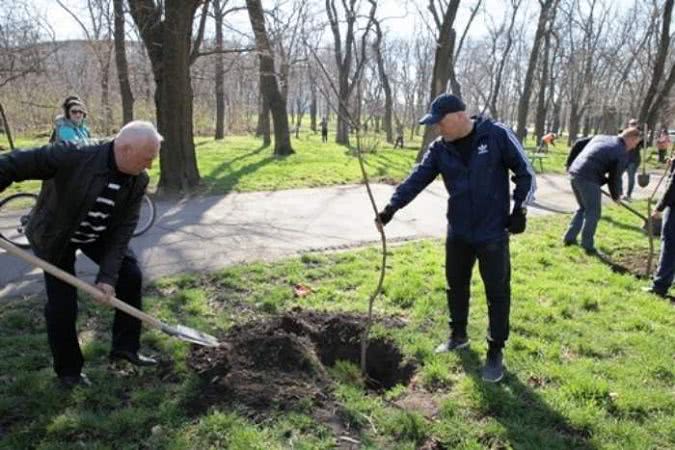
(493, 371)
(453, 343)
(70, 381)
(134, 358)
(651, 290)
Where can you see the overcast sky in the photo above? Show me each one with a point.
(400, 15)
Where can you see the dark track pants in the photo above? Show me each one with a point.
(61, 311)
(494, 263)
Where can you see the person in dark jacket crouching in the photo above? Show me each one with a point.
(665, 271)
(474, 156)
(603, 155)
(90, 201)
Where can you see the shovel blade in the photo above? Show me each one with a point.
(191, 335)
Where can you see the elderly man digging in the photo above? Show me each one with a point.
(90, 201)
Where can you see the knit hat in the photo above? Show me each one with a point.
(71, 102)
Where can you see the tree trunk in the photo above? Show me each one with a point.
(121, 64)
(524, 101)
(540, 118)
(6, 127)
(269, 84)
(220, 72)
(386, 87)
(574, 125)
(312, 104)
(168, 43)
(264, 127)
(105, 96)
(442, 61)
(659, 66)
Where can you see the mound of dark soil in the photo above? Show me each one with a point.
(275, 364)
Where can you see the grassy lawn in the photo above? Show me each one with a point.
(242, 164)
(590, 358)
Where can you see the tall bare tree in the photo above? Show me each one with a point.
(99, 34)
(344, 58)
(649, 106)
(121, 63)
(443, 57)
(384, 78)
(268, 79)
(166, 29)
(545, 12)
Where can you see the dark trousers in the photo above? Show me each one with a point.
(665, 271)
(324, 135)
(494, 263)
(61, 311)
(631, 170)
(398, 142)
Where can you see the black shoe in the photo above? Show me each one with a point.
(70, 381)
(569, 243)
(651, 290)
(134, 358)
(453, 343)
(493, 371)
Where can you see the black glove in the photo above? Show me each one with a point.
(385, 216)
(517, 220)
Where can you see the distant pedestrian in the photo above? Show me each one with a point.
(324, 129)
(399, 136)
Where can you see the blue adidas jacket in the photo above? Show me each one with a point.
(478, 206)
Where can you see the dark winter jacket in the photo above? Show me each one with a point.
(478, 206)
(578, 146)
(603, 155)
(77, 175)
(668, 198)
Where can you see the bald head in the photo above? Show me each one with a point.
(136, 146)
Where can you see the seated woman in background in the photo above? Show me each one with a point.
(71, 125)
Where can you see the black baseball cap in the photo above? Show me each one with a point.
(442, 105)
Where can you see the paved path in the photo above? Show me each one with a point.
(207, 233)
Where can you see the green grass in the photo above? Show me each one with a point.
(590, 358)
(242, 164)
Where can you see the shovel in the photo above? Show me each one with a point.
(179, 331)
(656, 223)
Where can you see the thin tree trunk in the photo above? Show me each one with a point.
(386, 87)
(121, 64)
(220, 72)
(524, 102)
(269, 84)
(442, 60)
(5, 123)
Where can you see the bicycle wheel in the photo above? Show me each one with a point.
(15, 212)
(147, 216)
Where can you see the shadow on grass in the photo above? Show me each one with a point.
(528, 420)
(623, 226)
(619, 268)
(230, 180)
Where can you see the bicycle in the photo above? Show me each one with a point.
(15, 211)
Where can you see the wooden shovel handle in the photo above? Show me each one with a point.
(80, 284)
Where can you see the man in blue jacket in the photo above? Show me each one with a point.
(473, 155)
(665, 271)
(601, 161)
